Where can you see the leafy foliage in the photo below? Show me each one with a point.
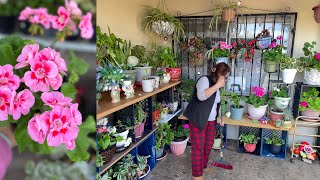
(139, 114)
(280, 92)
(291, 63)
(126, 168)
(164, 135)
(106, 140)
(235, 98)
(287, 115)
(139, 51)
(274, 54)
(186, 88)
(182, 131)
(275, 140)
(99, 160)
(168, 58)
(248, 138)
(310, 61)
(310, 100)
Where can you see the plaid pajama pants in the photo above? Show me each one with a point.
(201, 144)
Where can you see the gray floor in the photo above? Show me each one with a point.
(245, 167)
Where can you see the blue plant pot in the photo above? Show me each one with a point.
(159, 153)
(236, 113)
(263, 43)
(222, 59)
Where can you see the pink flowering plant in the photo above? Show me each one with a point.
(181, 132)
(312, 57)
(310, 100)
(221, 49)
(274, 51)
(258, 97)
(68, 18)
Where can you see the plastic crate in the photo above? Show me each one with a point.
(268, 133)
(256, 132)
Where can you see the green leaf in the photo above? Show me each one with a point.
(4, 123)
(76, 67)
(7, 54)
(80, 153)
(68, 90)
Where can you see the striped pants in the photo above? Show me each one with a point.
(201, 144)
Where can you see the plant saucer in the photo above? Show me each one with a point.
(165, 153)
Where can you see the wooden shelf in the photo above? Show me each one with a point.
(246, 122)
(120, 155)
(107, 108)
(170, 116)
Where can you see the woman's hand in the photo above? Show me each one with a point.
(221, 82)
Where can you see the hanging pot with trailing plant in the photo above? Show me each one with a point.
(316, 11)
(229, 15)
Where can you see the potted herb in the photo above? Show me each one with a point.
(263, 39)
(287, 118)
(236, 109)
(316, 11)
(289, 67)
(186, 89)
(107, 146)
(195, 48)
(311, 64)
(275, 144)
(273, 55)
(250, 141)
(156, 111)
(164, 136)
(281, 97)
(143, 68)
(181, 137)
(139, 120)
(126, 169)
(217, 140)
(161, 23)
(219, 52)
(310, 103)
(257, 102)
(143, 167)
(169, 60)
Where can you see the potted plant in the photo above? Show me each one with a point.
(310, 103)
(217, 140)
(236, 109)
(126, 169)
(106, 176)
(287, 118)
(275, 144)
(281, 97)
(143, 167)
(99, 160)
(250, 141)
(156, 111)
(161, 23)
(316, 11)
(143, 69)
(263, 39)
(164, 136)
(164, 110)
(195, 48)
(185, 90)
(289, 67)
(243, 49)
(273, 55)
(169, 60)
(163, 74)
(123, 131)
(181, 137)
(257, 103)
(275, 114)
(139, 120)
(311, 64)
(219, 52)
(148, 83)
(107, 146)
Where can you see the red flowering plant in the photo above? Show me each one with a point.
(258, 97)
(264, 33)
(37, 94)
(195, 47)
(274, 51)
(312, 58)
(243, 49)
(310, 100)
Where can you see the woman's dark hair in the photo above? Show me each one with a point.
(220, 69)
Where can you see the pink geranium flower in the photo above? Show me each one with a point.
(48, 54)
(279, 37)
(259, 93)
(304, 104)
(55, 98)
(76, 115)
(8, 79)
(21, 103)
(62, 20)
(38, 127)
(5, 98)
(73, 8)
(42, 75)
(28, 53)
(317, 56)
(25, 13)
(85, 26)
(36, 16)
(186, 126)
(254, 89)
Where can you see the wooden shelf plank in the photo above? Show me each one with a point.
(106, 107)
(170, 116)
(119, 156)
(246, 122)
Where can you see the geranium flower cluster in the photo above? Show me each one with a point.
(222, 49)
(67, 19)
(58, 125)
(258, 91)
(244, 49)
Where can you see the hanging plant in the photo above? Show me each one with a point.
(195, 46)
(161, 23)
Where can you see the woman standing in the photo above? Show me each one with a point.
(202, 113)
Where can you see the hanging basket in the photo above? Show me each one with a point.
(316, 11)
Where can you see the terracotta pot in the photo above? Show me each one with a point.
(138, 131)
(229, 15)
(178, 148)
(250, 147)
(316, 11)
(274, 116)
(310, 113)
(175, 73)
(155, 115)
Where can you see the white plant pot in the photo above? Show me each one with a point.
(157, 81)
(281, 103)
(166, 78)
(257, 113)
(142, 72)
(133, 74)
(147, 85)
(312, 77)
(124, 135)
(288, 75)
(126, 83)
